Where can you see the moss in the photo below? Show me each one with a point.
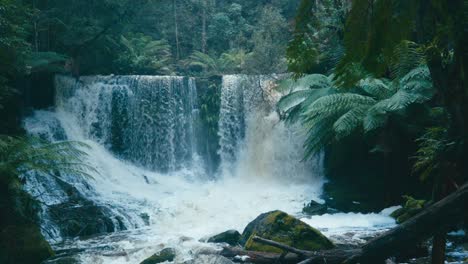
(167, 254)
(410, 209)
(230, 237)
(286, 229)
(23, 244)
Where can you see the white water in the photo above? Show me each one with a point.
(260, 170)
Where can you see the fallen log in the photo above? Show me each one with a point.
(440, 216)
(437, 217)
(241, 255)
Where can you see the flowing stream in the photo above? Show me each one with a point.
(151, 189)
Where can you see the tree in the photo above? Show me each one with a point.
(374, 33)
(330, 114)
(269, 43)
(317, 43)
(143, 55)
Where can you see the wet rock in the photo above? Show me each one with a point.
(410, 209)
(167, 254)
(230, 237)
(79, 216)
(62, 260)
(23, 244)
(315, 208)
(83, 219)
(283, 228)
(146, 218)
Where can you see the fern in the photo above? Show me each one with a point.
(365, 107)
(19, 156)
(407, 56)
(349, 122)
(433, 147)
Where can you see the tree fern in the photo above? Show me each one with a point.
(349, 122)
(407, 56)
(364, 107)
(19, 156)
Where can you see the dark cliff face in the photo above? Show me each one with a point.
(366, 179)
(208, 104)
(21, 241)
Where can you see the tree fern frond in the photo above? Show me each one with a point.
(18, 156)
(311, 81)
(337, 103)
(349, 122)
(374, 120)
(377, 88)
(298, 97)
(319, 135)
(407, 56)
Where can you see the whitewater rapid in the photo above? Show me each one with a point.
(175, 204)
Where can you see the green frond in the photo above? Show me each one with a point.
(299, 97)
(311, 81)
(19, 156)
(433, 146)
(407, 56)
(337, 103)
(319, 135)
(374, 120)
(349, 122)
(377, 88)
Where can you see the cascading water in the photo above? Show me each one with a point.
(144, 119)
(149, 179)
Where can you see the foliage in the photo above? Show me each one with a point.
(20, 156)
(431, 156)
(232, 61)
(317, 40)
(329, 113)
(269, 43)
(143, 55)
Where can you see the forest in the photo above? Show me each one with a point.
(233, 131)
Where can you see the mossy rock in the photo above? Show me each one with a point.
(283, 228)
(411, 208)
(230, 237)
(167, 254)
(23, 244)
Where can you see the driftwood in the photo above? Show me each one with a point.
(437, 217)
(260, 257)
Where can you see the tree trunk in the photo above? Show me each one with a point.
(438, 248)
(176, 29)
(203, 40)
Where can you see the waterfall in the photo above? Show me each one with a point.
(253, 140)
(150, 186)
(144, 119)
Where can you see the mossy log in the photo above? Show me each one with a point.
(435, 218)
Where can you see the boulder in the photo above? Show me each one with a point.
(230, 237)
(315, 208)
(23, 244)
(283, 228)
(167, 254)
(410, 209)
